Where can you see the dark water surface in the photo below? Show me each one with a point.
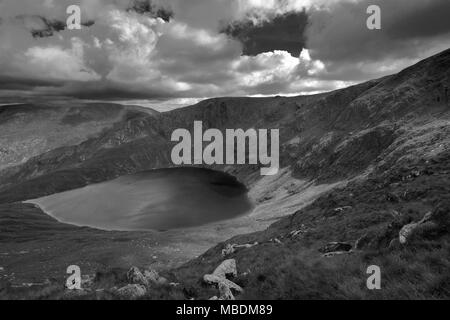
(159, 200)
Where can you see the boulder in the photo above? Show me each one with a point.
(226, 268)
(336, 253)
(151, 276)
(231, 248)
(300, 232)
(132, 291)
(276, 240)
(341, 209)
(406, 232)
(135, 276)
(432, 221)
(225, 292)
(212, 279)
(219, 278)
(336, 247)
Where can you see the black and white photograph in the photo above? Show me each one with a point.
(213, 152)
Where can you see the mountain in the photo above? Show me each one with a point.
(357, 164)
(44, 127)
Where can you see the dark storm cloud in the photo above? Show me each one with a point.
(106, 90)
(46, 27)
(284, 32)
(148, 7)
(102, 90)
(13, 83)
(430, 18)
(409, 28)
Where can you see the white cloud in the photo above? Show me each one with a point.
(188, 56)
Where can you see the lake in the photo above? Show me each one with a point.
(152, 200)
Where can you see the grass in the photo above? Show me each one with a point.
(296, 270)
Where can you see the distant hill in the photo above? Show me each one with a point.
(28, 130)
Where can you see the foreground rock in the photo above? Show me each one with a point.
(132, 291)
(438, 219)
(336, 248)
(226, 268)
(219, 279)
(225, 292)
(232, 248)
(153, 277)
(135, 276)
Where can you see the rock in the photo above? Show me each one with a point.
(212, 279)
(135, 276)
(231, 248)
(406, 232)
(226, 268)
(362, 242)
(415, 228)
(276, 240)
(336, 253)
(225, 292)
(219, 278)
(343, 209)
(132, 291)
(431, 221)
(152, 276)
(303, 229)
(336, 247)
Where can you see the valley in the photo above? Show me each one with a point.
(356, 166)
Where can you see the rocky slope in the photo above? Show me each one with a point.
(44, 127)
(375, 155)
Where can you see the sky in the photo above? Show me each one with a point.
(170, 53)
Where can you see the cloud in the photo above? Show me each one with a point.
(283, 32)
(411, 30)
(178, 49)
